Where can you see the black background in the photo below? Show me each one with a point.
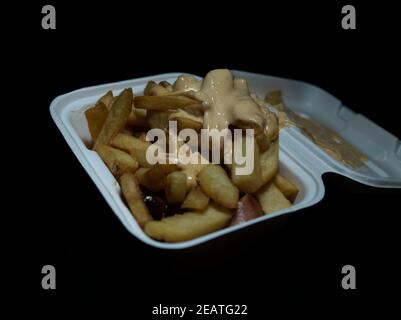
(63, 220)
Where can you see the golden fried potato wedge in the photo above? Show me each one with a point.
(148, 89)
(139, 153)
(218, 186)
(133, 196)
(154, 89)
(107, 99)
(158, 119)
(164, 103)
(271, 199)
(116, 118)
(95, 117)
(247, 183)
(156, 178)
(111, 103)
(192, 171)
(186, 119)
(127, 142)
(116, 160)
(167, 85)
(274, 97)
(263, 141)
(135, 146)
(153, 179)
(196, 200)
(186, 123)
(269, 162)
(140, 176)
(176, 187)
(272, 122)
(141, 135)
(127, 130)
(246, 124)
(190, 225)
(289, 189)
(137, 118)
(168, 168)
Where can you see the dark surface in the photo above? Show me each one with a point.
(66, 222)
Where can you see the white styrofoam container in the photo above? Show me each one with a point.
(300, 158)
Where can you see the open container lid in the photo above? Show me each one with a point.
(383, 150)
(300, 159)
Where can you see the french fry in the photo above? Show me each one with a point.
(133, 196)
(271, 199)
(111, 103)
(196, 200)
(135, 146)
(274, 97)
(263, 141)
(185, 123)
(168, 168)
(116, 118)
(140, 176)
(95, 117)
(116, 160)
(269, 162)
(148, 89)
(187, 120)
(164, 103)
(107, 99)
(273, 125)
(192, 171)
(176, 187)
(187, 226)
(247, 183)
(141, 135)
(167, 85)
(154, 89)
(218, 186)
(139, 153)
(158, 119)
(289, 189)
(127, 130)
(260, 135)
(154, 179)
(246, 124)
(127, 142)
(137, 118)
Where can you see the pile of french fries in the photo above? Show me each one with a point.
(203, 198)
